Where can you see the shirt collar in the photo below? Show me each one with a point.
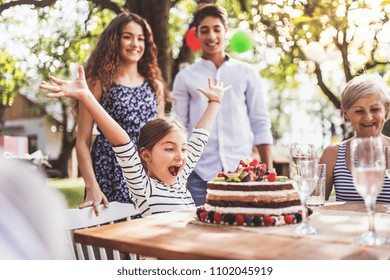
(209, 64)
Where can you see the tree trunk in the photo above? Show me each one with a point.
(68, 141)
(156, 12)
(64, 157)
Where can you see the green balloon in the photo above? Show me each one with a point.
(241, 42)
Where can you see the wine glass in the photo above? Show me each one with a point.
(387, 158)
(303, 173)
(368, 164)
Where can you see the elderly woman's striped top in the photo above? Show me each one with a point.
(343, 182)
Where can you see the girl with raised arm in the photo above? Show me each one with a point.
(157, 174)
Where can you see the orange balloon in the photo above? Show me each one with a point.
(191, 40)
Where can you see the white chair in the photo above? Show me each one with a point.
(84, 218)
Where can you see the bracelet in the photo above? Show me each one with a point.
(214, 100)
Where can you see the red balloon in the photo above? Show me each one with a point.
(191, 40)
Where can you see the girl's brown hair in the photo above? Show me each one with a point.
(104, 61)
(154, 130)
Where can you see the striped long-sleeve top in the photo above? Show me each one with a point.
(150, 195)
(343, 181)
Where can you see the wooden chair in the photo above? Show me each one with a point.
(84, 218)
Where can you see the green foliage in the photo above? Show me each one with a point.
(280, 29)
(180, 16)
(12, 79)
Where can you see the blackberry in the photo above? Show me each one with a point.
(211, 216)
(229, 218)
(257, 221)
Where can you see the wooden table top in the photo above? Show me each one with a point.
(178, 235)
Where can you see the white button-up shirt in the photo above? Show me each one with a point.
(242, 121)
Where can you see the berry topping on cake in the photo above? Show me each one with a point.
(257, 221)
(217, 218)
(288, 219)
(203, 216)
(229, 218)
(298, 217)
(271, 177)
(246, 171)
(240, 219)
(268, 220)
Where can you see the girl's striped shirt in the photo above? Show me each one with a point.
(152, 196)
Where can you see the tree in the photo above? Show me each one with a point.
(326, 39)
(12, 79)
(285, 32)
(61, 49)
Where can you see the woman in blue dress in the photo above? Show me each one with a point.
(123, 74)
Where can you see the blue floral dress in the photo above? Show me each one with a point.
(131, 108)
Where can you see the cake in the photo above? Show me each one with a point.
(250, 196)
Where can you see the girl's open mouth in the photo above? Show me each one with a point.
(174, 170)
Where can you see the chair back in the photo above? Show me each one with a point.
(83, 218)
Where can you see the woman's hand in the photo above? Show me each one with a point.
(77, 89)
(216, 91)
(94, 198)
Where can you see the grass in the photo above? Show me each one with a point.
(71, 189)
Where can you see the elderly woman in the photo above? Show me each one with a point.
(365, 104)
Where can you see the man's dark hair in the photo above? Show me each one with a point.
(210, 10)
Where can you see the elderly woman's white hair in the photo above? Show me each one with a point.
(365, 85)
(31, 216)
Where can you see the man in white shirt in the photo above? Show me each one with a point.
(243, 120)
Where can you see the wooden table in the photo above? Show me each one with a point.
(178, 235)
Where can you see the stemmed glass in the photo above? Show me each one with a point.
(368, 165)
(303, 173)
(387, 158)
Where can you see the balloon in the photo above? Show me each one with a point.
(191, 40)
(241, 42)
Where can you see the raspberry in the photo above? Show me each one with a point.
(271, 177)
(288, 219)
(268, 220)
(220, 174)
(203, 216)
(217, 218)
(198, 211)
(240, 219)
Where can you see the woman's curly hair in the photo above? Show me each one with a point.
(104, 61)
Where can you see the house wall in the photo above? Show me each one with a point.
(48, 142)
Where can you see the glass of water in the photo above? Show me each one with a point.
(303, 174)
(317, 197)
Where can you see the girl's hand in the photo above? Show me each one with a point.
(77, 89)
(216, 91)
